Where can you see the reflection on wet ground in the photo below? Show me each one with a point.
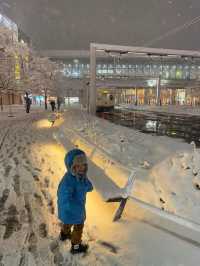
(182, 126)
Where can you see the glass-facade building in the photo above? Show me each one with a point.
(166, 70)
(179, 78)
(8, 23)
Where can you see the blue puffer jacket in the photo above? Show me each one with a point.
(72, 193)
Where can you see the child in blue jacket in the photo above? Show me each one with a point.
(71, 199)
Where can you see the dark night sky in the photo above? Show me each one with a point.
(73, 24)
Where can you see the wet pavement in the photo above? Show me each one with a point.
(182, 126)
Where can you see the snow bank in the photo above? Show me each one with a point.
(167, 171)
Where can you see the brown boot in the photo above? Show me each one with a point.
(64, 236)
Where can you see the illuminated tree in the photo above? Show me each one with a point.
(12, 62)
(7, 77)
(43, 73)
(21, 70)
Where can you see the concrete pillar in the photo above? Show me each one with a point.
(92, 89)
(173, 96)
(158, 88)
(136, 96)
(146, 95)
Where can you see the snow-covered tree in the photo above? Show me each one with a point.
(21, 70)
(12, 63)
(6, 38)
(43, 73)
(7, 77)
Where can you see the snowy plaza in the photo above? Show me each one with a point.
(100, 97)
(32, 164)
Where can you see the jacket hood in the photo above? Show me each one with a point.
(70, 156)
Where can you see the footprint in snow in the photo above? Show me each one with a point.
(112, 248)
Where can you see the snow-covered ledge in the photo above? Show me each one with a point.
(110, 176)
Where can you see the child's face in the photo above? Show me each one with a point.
(81, 169)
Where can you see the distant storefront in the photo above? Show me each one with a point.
(12, 98)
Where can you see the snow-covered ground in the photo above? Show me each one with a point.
(167, 170)
(31, 165)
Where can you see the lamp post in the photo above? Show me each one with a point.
(92, 90)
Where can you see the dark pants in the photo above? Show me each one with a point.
(53, 107)
(76, 233)
(28, 108)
